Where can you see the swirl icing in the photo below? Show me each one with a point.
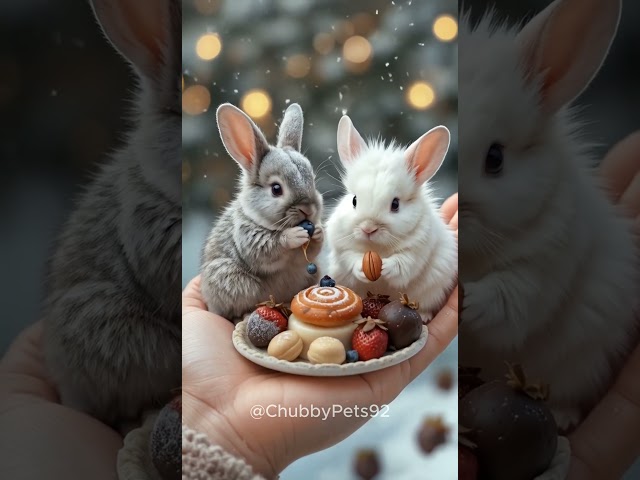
(327, 306)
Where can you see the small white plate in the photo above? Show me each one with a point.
(302, 367)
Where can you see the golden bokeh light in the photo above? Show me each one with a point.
(323, 43)
(356, 49)
(445, 28)
(209, 46)
(421, 95)
(196, 100)
(298, 66)
(256, 103)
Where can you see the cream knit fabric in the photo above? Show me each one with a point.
(203, 461)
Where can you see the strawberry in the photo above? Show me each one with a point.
(370, 338)
(372, 305)
(273, 312)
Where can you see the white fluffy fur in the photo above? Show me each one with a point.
(549, 266)
(419, 252)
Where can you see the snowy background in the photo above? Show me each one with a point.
(391, 66)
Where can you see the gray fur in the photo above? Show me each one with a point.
(290, 133)
(254, 250)
(112, 311)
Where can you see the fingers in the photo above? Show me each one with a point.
(442, 330)
(621, 165)
(630, 199)
(449, 208)
(608, 441)
(23, 370)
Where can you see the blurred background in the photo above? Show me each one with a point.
(389, 65)
(63, 93)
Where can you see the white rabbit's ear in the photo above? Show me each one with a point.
(138, 29)
(241, 137)
(290, 132)
(424, 157)
(565, 45)
(350, 143)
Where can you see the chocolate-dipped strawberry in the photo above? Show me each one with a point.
(403, 322)
(513, 429)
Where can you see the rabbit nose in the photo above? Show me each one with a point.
(369, 229)
(305, 211)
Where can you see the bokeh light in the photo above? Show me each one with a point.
(357, 49)
(323, 43)
(209, 46)
(256, 103)
(445, 28)
(298, 66)
(421, 95)
(196, 100)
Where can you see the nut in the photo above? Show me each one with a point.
(326, 350)
(372, 266)
(286, 345)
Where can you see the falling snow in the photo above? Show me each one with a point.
(340, 95)
(386, 64)
(287, 101)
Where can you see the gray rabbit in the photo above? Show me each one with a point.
(254, 250)
(112, 311)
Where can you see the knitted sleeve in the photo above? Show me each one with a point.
(203, 461)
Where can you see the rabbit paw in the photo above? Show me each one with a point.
(390, 269)
(318, 234)
(566, 417)
(359, 274)
(474, 305)
(294, 237)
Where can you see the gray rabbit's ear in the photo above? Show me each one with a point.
(565, 45)
(424, 157)
(350, 143)
(290, 133)
(241, 137)
(140, 30)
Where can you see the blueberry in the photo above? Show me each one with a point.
(312, 268)
(308, 226)
(327, 281)
(352, 356)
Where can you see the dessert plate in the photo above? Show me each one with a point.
(302, 367)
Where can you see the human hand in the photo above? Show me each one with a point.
(219, 387)
(41, 438)
(608, 440)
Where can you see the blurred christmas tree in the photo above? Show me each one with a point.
(391, 65)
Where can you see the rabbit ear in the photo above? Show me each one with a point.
(290, 133)
(566, 44)
(241, 137)
(350, 143)
(140, 30)
(425, 155)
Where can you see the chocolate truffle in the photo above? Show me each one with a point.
(515, 435)
(403, 322)
(166, 441)
(261, 331)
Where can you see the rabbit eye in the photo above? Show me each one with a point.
(355, 202)
(395, 205)
(276, 190)
(495, 160)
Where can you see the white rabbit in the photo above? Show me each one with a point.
(388, 208)
(548, 265)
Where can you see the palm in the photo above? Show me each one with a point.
(40, 435)
(216, 375)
